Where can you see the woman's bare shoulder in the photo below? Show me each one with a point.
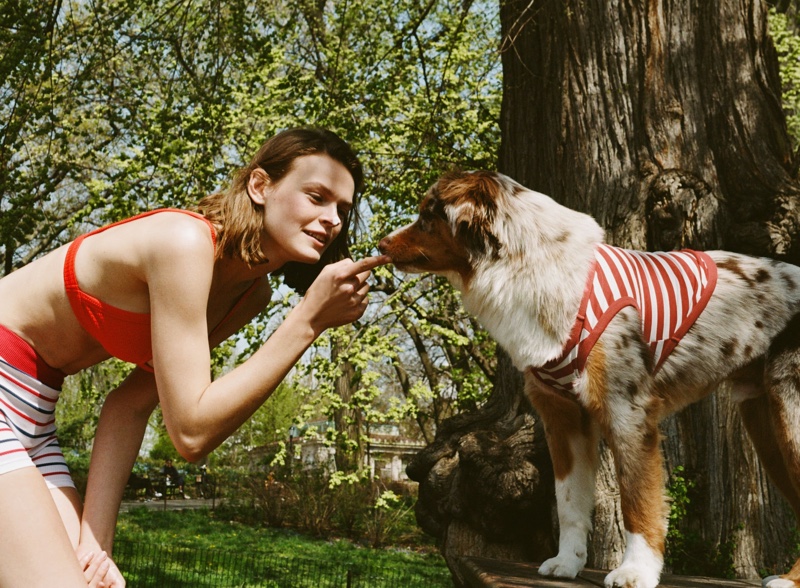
(171, 248)
(175, 233)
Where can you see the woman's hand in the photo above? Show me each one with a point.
(100, 571)
(339, 294)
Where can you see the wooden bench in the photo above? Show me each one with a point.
(139, 488)
(481, 572)
(167, 487)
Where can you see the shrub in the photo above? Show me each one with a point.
(313, 502)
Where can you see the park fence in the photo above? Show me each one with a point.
(163, 566)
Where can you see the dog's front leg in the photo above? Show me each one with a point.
(575, 501)
(634, 440)
(572, 441)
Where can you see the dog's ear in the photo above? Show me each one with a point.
(472, 202)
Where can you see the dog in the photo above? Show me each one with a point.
(532, 272)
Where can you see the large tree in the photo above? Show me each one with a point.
(663, 120)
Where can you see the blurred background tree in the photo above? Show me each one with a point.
(112, 108)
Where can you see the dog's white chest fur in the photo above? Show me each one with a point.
(529, 296)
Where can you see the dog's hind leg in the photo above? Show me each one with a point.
(573, 443)
(780, 410)
(749, 390)
(759, 422)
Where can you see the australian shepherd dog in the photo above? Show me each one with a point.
(611, 341)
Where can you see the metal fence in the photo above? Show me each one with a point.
(163, 566)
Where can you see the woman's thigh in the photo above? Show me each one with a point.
(35, 547)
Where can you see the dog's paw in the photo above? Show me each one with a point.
(562, 566)
(777, 582)
(631, 576)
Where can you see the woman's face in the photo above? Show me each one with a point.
(304, 211)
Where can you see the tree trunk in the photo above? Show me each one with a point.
(662, 120)
(486, 482)
(348, 417)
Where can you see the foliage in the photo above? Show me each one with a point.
(115, 107)
(269, 425)
(163, 448)
(80, 400)
(686, 550)
(365, 510)
(41, 157)
(388, 511)
(787, 44)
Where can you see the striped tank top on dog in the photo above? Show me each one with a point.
(669, 290)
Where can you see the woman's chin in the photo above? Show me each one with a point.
(308, 257)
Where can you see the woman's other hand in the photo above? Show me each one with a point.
(100, 571)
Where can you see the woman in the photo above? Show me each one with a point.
(160, 290)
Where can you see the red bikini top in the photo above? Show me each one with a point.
(123, 334)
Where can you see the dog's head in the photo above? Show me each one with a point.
(456, 226)
(519, 258)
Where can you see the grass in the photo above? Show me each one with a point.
(243, 555)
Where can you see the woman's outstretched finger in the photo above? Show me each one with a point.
(367, 264)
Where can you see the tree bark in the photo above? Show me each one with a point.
(662, 120)
(486, 482)
(348, 419)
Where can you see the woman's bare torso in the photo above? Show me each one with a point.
(112, 266)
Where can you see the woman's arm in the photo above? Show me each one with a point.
(199, 414)
(120, 431)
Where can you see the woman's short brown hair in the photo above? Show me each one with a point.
(239, 220)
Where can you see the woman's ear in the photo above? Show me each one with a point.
(257, 186)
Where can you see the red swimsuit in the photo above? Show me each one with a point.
(123, 334)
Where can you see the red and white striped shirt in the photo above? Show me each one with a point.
(669, 290)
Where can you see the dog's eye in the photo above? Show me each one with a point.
(424, 223)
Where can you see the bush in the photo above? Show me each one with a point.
(78, 463)
(686, 551)
(365, 510)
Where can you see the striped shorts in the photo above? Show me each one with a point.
(27, 412)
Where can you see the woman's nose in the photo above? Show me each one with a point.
(331, 216)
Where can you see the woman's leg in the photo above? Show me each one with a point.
(35, 548)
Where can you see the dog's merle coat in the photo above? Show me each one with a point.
(521, 262)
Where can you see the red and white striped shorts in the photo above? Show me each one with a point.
(27, 412)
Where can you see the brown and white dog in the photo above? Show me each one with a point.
(522, 262)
